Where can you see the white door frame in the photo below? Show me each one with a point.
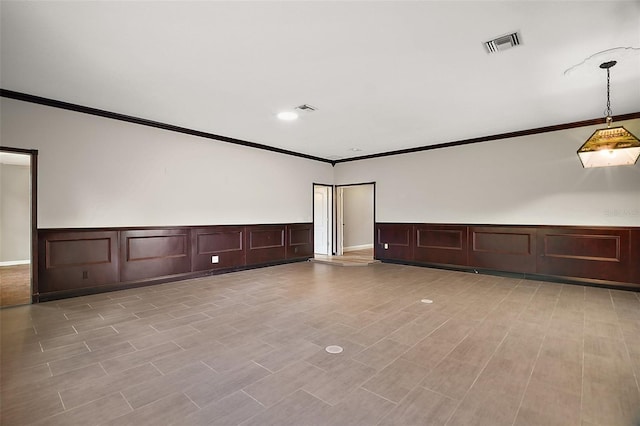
(33, 168)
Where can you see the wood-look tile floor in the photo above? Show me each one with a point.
(248, 348)
(15, 285)
(352, 258)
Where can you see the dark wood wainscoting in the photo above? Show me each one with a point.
(593, 255)
(71, 260)
(154, 253)
(444, 244)
(394, 241)
(635, 255)
(586, 253)
(265, 244)
(510, 249)
(222, 243)
(84, 261)
(299, 241)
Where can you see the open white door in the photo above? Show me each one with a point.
(321, 219)
(339, 220)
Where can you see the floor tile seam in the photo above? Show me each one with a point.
(413, 346)
(247, 394)
(40, 363)
(154, 366)
(125, 400)
(64, 325)
(635, 371)
(474, 382)
(300, 388)
(399, 403)
(358, 384)
(271, 371)
(192, 401)
(378, 395)
(582, 375)
(419, 385)
(385, 365)
(435, 391)
(524, 392)
(61, 401)
(75, 407)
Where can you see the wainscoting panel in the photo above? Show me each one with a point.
(69, 260)
(154, 253)
(510, 249)
(225, 242)
(394, 241)
(299, 241)
(84, 261)
(443, 244)
(635, 256)
(585, 253)
(265, 244)
(607, 256)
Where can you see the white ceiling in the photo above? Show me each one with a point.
(383, 75)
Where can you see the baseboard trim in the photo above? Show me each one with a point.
(64, 294)
(360, 247)
(614, 285)
(15, 262)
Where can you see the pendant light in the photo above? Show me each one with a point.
(612, 146)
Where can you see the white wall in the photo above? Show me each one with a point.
(97, 172)
(15, 213)
(358, 216)
(535, 179)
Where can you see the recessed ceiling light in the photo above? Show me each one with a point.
(287, 115)
(355, 149)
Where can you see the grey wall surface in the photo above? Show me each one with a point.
(358, 215)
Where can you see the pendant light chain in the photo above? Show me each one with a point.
(608, 97)
(609, 119)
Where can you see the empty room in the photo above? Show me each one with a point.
(320, 213)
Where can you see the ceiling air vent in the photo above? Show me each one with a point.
(501, 43)
(306, 108)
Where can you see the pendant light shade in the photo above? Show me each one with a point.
(612, 146)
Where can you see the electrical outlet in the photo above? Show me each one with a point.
(215, 259)
(85, 275)
(386, 246)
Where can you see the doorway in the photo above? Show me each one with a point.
(17, 226)
(355, 220)
(322, 219)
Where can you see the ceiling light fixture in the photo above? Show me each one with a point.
(613, 146)
(287, 115)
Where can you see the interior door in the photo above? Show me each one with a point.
(15, 228)
(321, 219)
